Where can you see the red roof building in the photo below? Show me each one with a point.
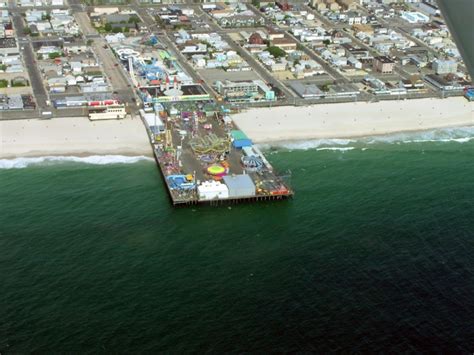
(255, 38)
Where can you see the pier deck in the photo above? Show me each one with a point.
(191, 145)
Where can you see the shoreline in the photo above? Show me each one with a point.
(73, 136)
(353, 120)
(284, 141)
(85, 154)
(270, 143)
(79, 137)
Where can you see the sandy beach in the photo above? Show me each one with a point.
(81, 137)
(72, 136)
(358, 119)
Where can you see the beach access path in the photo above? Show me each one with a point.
(73, 136)
(354, 119)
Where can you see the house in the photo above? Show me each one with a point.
(105, 10)
(353, 61)
(244, 91)
(347, 5)
(445, 66)
(256, 39)
(115, 38)
(272, 34)
(445, 83)
(75, 48)
(287, 44)
(71, 80)
(354, 18)
(241, 21)
(45, 50)
(383, 64)
(414, 17)
(76, 67)
(9, 32)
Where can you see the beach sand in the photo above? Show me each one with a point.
(73, 136)
(81, 137)
(358, 119)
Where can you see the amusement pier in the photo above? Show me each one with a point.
(204, 158)
(202, 155)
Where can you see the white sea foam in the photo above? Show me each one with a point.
(458, 135)
(445, 135)
(20, 163)
(339, 149)
(309, 144)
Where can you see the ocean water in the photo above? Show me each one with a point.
(374, 253)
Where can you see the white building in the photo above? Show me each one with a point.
(415, 17)
(445, 66)
(210, 190)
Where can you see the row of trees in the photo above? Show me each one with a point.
(13, 83)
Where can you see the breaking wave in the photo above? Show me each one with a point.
(20, 163)
(458, 135)
(308, 144)
(339, 149)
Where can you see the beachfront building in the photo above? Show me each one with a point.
(445, 66)
(245, 91)
(307, 90)
(447, 83)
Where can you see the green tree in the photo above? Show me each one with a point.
(277, 52)
(54, 55)
(117, 30)
(17, 84)
(3, 83)
(133, 19)
(326, 42)
(256, 3)
(108, 27)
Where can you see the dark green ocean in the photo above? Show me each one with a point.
(375, 253)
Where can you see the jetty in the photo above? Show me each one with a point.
(205, 159)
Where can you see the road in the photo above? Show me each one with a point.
(29, 58)
(258, 67)
(84, 23)
(342, 27)
(110, 65)
(164, 38)
(150, 22)
(308, 51)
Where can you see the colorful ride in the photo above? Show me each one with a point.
(179, 182)
(216, 170)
